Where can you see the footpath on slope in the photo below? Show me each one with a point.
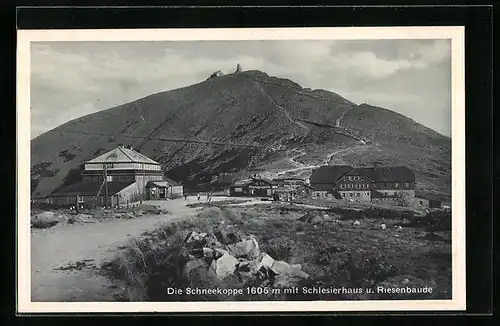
(65, 260)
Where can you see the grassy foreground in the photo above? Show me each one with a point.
(345, 253)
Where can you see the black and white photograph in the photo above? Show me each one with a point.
(277, 169)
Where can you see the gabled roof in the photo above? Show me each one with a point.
(86, 188)
(241, 183)
(245, 182)
(393, 173)
(385, 174)
(322, 187)
(124, 155)
(328, 173)
(160, 184)
(266, 180)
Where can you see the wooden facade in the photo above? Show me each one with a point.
(115, 178)
(253, 188)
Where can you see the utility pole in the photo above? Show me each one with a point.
(105, 185)
(77, 202)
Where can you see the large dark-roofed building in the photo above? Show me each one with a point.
(324, 178)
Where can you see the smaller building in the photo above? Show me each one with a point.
(426, 201)
(87, 194)
(292, 182)
(163, 189)
(290, 188)
(253, 187)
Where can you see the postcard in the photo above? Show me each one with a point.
(247, 170)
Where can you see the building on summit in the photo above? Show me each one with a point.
(116, 178)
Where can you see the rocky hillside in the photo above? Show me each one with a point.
(237, 122)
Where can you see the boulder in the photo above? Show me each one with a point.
(220, 251)
(280, 267)
(192, 265)
(194, 236)
(356, 223)
(45, 216)
(248, 266)
(44, 220)
(227, 235)
(283, 268)
(211, 241)
(383, 227)
(266, 260)
(208, 253)
(317, 220)
(224, 266)
(247, 248)
(265, 273)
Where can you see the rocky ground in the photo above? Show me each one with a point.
(271, 250)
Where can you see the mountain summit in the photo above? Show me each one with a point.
(242, 122)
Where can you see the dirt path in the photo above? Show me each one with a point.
(91, 245)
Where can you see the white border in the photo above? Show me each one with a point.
(455, 33)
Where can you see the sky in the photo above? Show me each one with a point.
(73, 79)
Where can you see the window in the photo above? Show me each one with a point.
(343, 194)
(342, 186)
(238, 189)
(356, 185)
(358, 194)
(421, 202)
(368, 194)
(362, 178)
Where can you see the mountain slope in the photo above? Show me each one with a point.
(232, 123)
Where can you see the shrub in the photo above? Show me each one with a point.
(434, 221)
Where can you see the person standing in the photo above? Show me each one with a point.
(185, 196)
(198, 196)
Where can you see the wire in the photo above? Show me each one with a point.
(184, 140)
(175, 140)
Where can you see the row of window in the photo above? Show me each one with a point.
(354, 178)
(354, 194)
(366, 185)
(362, 185)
